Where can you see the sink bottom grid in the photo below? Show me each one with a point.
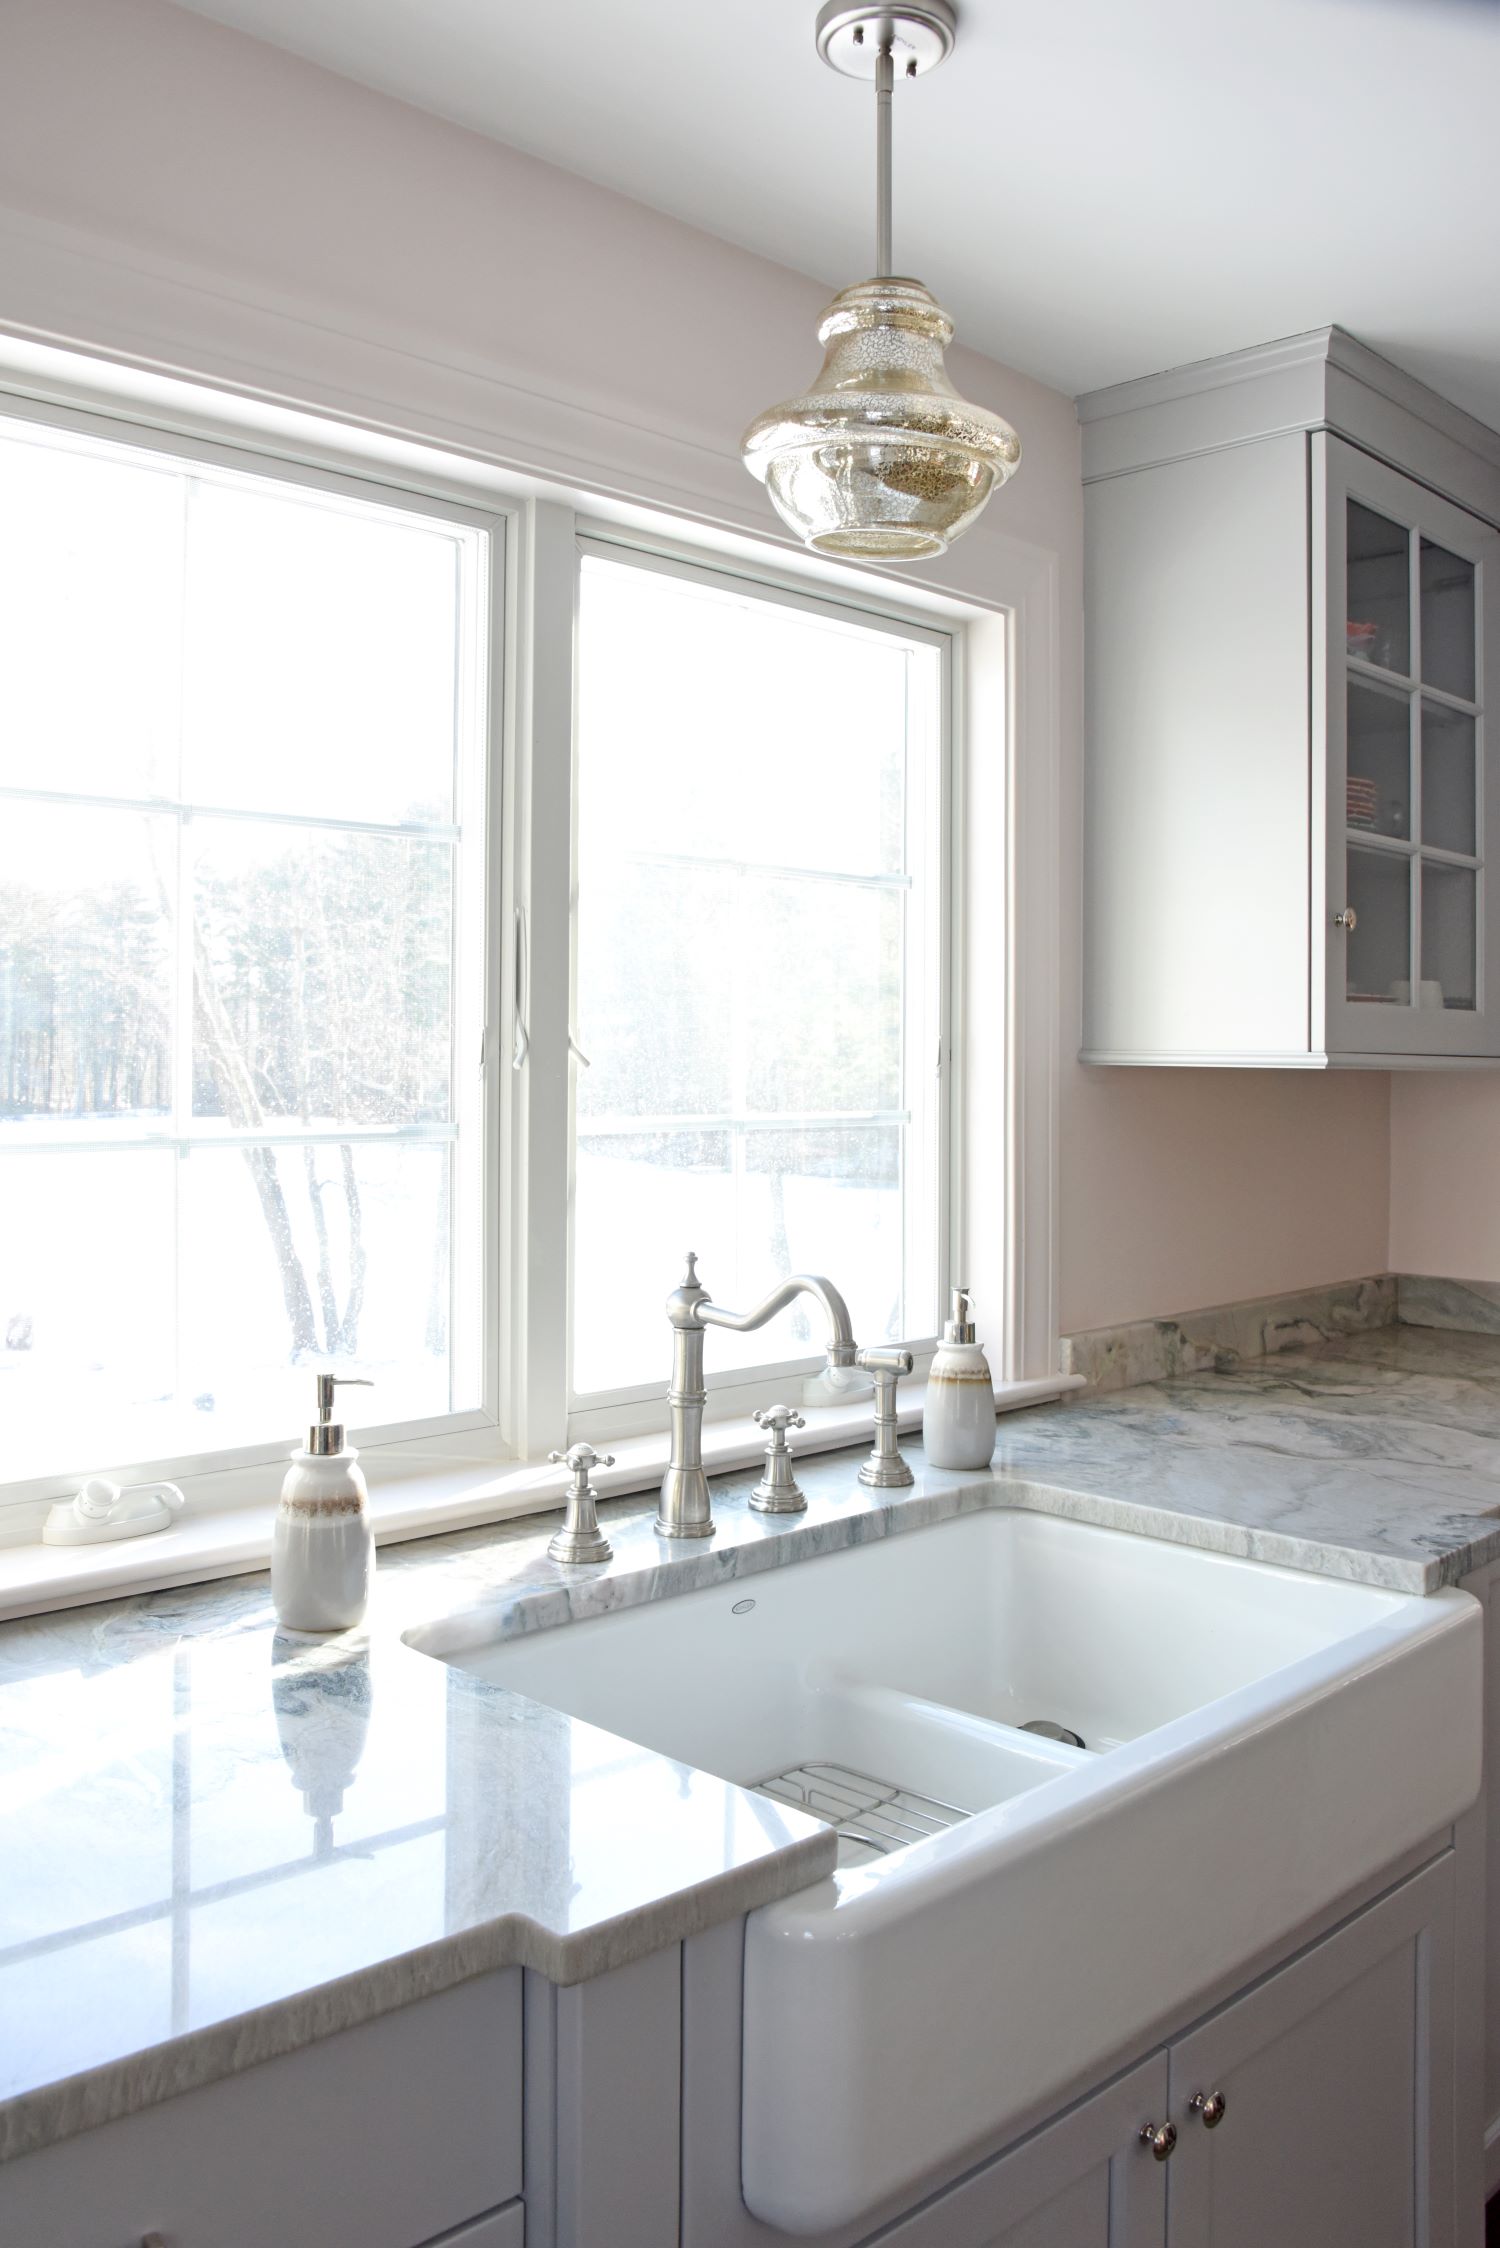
(870, 1817)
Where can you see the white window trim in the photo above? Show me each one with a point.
(629, 1410)
(1003, 997)
(476, 954)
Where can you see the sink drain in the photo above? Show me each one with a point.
(1047, 1729)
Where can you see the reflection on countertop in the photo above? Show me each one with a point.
(218, 1842)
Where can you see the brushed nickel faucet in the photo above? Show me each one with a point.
(885, 1469)
(684, 1510)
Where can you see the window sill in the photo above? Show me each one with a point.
(431, 1494)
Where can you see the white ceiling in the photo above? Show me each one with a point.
(1095, 188)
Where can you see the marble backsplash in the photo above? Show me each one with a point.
(1224, 1337)
(1219, 1340)
(1473, 1306)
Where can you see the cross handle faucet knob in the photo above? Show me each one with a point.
(778, 1419)
(580, 1538)
(580, 1460)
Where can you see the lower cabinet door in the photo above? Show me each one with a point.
(502, 2228)
(1090, 2180)
(1317, 2111)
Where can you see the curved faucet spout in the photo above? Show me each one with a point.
(684, 1510)
(841, 1348)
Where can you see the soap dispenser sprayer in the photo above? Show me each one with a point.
(958, 1420)
(323, 1548)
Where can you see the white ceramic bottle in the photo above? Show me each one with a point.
(958, 1419)
(323, 1549)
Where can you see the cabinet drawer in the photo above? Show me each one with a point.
(502, 2228)
(394, 2133)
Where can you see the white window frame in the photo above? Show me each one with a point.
(631, 1409)
(475, 943)
(1010, 709)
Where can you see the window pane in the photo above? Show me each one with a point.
(757, 888)
(86, 971)
(320, 648)
(252, 959)
(653, 1023)
(90, 587)
(1378, 627)
(821, 967)
(770, 1202)
(88, 1309)
(322, 976)
(337, 1251)
(693, 686)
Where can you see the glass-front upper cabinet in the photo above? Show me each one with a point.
(1412, 935)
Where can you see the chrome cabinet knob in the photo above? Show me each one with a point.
(1210, 2105)
(1348, 919)
(1160, 2138)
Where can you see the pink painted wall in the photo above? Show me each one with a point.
(1445, 1174)
(1189, 1188)
(174, 192)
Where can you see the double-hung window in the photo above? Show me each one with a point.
(263, 1110)
(242, 773)
(760, 967)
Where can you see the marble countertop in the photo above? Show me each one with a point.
(1374, 1456)
(219, 1842)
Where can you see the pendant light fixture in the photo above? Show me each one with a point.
(882, 458)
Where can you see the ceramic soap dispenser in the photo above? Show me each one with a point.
(323, 1549)
(958, 1420)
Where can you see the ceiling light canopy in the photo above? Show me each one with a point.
(882, 458)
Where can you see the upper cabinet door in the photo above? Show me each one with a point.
(1406, 604)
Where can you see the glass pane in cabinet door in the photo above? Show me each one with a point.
(1447, 621)
(1379, 944)
(1449, 935)
(1448, 792)
(1378, 617)
(1379, 762)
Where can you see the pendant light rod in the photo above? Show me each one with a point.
(884, 40)
(885, 79)
(881, 460)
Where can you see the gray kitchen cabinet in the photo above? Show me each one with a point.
(502, 2228)
(1336, 2071)
(1313, 2112)
(1333, 2078)
(1292, 627)
(392, 2135)
(1087, 2181)
(1332, 2086)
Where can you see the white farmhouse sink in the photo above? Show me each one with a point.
(1257, 1743)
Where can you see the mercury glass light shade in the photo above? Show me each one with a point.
(882, 457)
